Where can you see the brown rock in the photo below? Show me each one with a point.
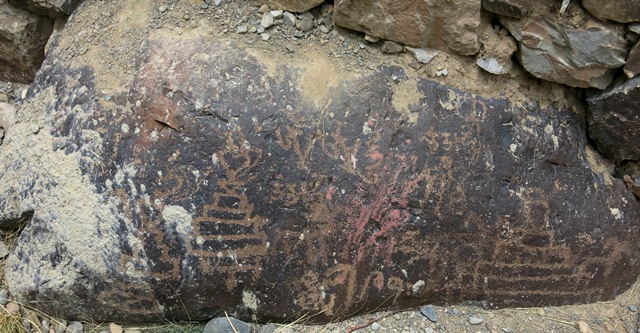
(391, 47)
(614, 119)
(22, 39)
(632, 67)
(443, 25)
(580, 55)
(508, 8)
(296, 6)
(623, 11)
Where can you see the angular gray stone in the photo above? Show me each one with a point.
(508, 8)
(52, 8)
(267, 20)
(623, 11)
(632, 67)
(423, 56)
(23, 36)
(75, 327)
(227, 325)
(4, 296)
(614, 119)
(429, 312)
(584, 56)
(443, 25)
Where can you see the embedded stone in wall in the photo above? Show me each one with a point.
(584, 55)
(624, 11)
(508, 8)
(23, 36)
(632, 67)
(444, 25)
(614, 119)
(52, 8)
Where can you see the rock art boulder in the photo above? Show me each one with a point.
(52, 8)
(580, 54)
(23, 36)
(614, 119)
(213, 176)
(444, 25)
(624, 11)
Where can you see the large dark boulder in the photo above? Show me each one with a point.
(197, 175)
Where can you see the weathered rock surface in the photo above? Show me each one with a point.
(444, 25)
(52, 8)
(297, 6)
(614, 119)
(624, 11)
(579, 55)
(23, 36)
(257, 183)
(632, 67)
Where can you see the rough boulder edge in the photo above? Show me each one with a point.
(198, 192)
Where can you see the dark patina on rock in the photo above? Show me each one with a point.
(614, 119)
(223, 178)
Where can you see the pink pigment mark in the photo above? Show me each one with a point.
(382, 214)
(376, 155)
(330, 192)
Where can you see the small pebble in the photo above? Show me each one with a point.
(263, 9)
(475, 320)
(371, 39)
(443, 72)
(429, 312)
(4, 296)
(289, 19)
(162, 8)
(277, 13)
(75, 327)
(115, 328)
(217, 3)
(429, 330)
(391, 47)
(34, 128)
(267, 20)
(375, 326)
(633, 308)
(242, 29)
(265, 36)
(12, 308)
(583, 327)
